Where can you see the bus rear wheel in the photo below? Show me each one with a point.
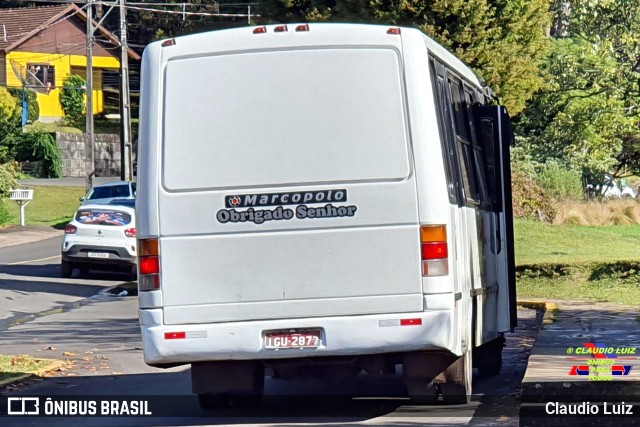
(456, 389)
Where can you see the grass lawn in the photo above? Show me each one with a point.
(52, 206)
(13, 366)
(544, 243)
(579, 288)
(579, 249)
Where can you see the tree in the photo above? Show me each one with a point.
(588, 116)
(505, 41)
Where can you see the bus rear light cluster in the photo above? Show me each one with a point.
(148, 265)
(434, 250)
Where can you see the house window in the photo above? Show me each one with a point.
(41, 75)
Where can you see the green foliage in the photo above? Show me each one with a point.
(588, 116)
(6, 217)
(33, 108)
(503, 40)
(8, 172)
(529, 199)
(72, 100)
(560, 182)
(41, 146)
(153, 26)
(8, 103)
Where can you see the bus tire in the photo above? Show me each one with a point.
(421, 391)
(456, 390)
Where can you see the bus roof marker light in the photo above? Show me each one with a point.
(280, 29)
(260, 30)
(303, 27)
(170, 42)
(395, 31)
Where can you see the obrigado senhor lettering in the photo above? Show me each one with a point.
(282, 213)
(259, 216)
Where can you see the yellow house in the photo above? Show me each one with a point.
(41, 46)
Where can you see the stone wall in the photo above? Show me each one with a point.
(75, 154)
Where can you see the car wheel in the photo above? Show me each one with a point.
(66, 269)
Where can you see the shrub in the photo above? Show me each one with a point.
(33, 109)
(41, 146)
(559, 182)
(72, 100)
(529, 199)
(6, 217)
(8, 172)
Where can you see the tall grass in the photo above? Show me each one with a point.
(612, 212)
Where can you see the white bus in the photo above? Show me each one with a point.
(332, 198)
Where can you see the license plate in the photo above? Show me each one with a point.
(302, 339)
(98, 254)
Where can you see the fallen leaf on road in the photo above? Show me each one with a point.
(68, 353)
(50, 348)
(116, 373)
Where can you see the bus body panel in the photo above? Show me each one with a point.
(227, 276)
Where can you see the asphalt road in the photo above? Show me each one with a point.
(97, 333)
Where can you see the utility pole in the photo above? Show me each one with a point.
(125, 100)
(90, 169)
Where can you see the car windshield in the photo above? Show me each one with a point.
(110, 191)
(102, 217)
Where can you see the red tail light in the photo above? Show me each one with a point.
(434, 250)
(148, 264)
(70, 229)
(130, 232)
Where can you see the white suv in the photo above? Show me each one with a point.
(100, 237)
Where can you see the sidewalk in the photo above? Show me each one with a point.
(17, 235)
(566, 366)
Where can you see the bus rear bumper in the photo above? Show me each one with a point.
(340, 336)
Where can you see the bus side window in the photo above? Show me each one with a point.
(480, 161)
(464, 142)
(443, 110)
(487, 138)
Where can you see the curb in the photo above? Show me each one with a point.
(52, 366)
(550, 309)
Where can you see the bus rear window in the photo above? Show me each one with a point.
(284, 117)
(103, 217)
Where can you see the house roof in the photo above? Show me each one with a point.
(18, 25)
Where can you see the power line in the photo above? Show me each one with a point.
(184, 13)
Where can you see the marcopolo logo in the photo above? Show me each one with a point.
(280, 199)
(235, 213)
